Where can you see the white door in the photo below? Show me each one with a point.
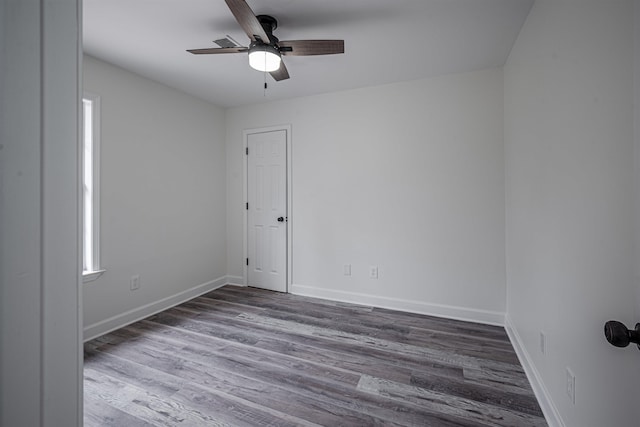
(267, 210)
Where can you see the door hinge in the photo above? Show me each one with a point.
(246, 151)
(247, 261)
(247, 205)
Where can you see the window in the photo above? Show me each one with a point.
(90, 188)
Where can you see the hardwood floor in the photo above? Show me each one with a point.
(248, 357)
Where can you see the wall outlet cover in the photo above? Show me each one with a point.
(135, 282)
(347, 269)
(571, 386)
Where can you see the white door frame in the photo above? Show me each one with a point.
(245, 197)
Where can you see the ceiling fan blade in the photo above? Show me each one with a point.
(211, 50)
(281, 73)
(247, 20)
(311, 47)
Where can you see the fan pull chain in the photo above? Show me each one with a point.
(265, 85)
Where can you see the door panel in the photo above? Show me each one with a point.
(267, 198)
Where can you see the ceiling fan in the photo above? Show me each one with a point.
(265, 50)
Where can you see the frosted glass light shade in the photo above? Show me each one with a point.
(264, 58)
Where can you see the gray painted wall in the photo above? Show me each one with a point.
(163, 187)
(569, 199)
(408, 177)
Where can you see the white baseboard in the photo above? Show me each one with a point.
(549, 409)
(235, 280)
(439, 310)
(116, 322)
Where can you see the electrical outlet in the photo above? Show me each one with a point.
(543, 343)
(373, 272)
(347, 269)
(135, 282)
(571, 386)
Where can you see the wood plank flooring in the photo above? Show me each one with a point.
(249, 357)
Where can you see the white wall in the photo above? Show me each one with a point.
(163, 188)
(636, 148)
(569, 175)
(407, 176)
(40, 345)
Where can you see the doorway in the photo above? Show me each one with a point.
(268, 222)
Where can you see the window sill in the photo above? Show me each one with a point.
(90, 276)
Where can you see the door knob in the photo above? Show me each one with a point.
(281, 219)
(618, 335)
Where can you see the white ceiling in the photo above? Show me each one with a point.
(385, 41)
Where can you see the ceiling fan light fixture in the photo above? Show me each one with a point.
(264, 57)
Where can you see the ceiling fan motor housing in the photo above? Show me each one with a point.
(269, 23)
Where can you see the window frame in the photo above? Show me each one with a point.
(95, 271)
